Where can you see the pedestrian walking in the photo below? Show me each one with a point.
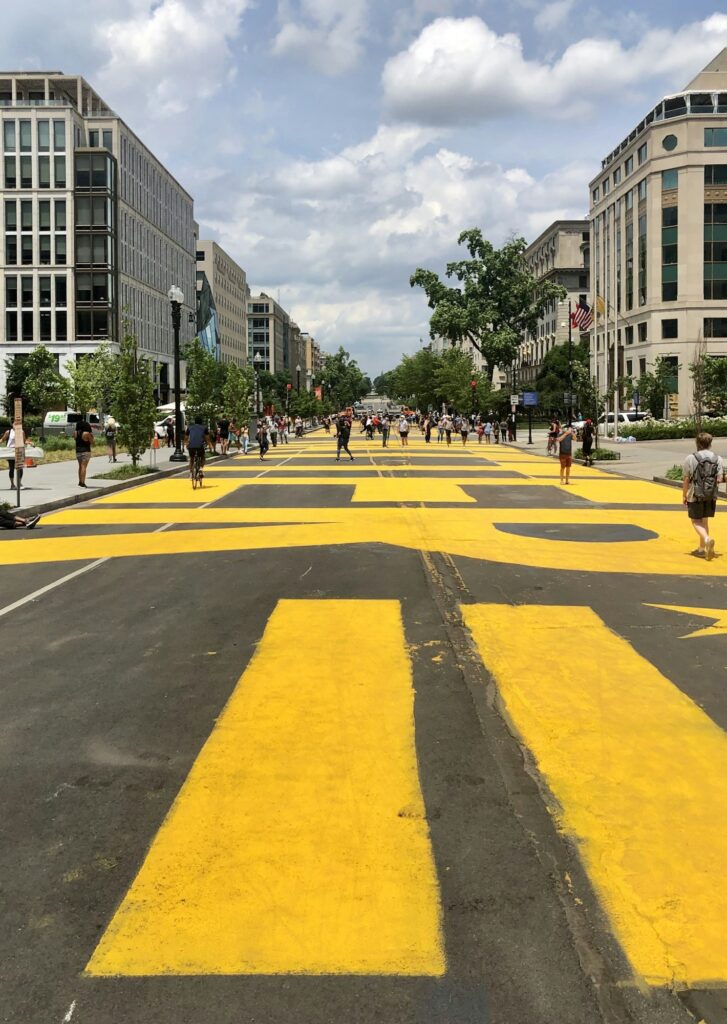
(273, 432)
(503, 430)
(447, 423)
(298, 426)
(428, 429)
(588, 443)
(385, 431)
(565, 453)
(223, 432)
(110, 432)
(404, 431)
(488, 432)
(343, 434)
(83, 435)
(702, 472)
(262, 438)
(245, 439)
(170, 433)
(7, 444)
(440, 430)
(464, 429)
(480, 432)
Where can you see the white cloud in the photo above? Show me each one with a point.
(553, 15)
(327, 34)
(170, 54)
(460, 70)
(340, 236)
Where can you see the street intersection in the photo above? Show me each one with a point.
(423, 737)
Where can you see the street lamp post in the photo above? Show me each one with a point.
(176, 298)
(256, 361)
(297, 374)
(570, 361)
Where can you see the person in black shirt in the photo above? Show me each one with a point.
(223, 426)
(84, 440)
(342, 437)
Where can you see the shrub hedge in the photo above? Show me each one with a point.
(670, 430)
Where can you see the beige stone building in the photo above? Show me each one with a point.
(313, 359)
(659, 239)
(560, 255)
(228, 282)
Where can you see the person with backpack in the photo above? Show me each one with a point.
(588, 443)
(702, 472)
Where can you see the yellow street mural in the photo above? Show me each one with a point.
(607, 729)
(298, 842)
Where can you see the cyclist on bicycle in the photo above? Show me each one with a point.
(197, 438)
(553, 433)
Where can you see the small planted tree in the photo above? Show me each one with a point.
(236, 392)
(43, 386)
(133, 402)
(204, 384)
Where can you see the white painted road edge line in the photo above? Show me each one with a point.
(58, 583)
(69, 1015)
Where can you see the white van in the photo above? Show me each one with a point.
(63, 424)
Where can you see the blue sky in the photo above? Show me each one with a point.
(332, 146)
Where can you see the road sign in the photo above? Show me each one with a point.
(636, 397)
(514, 399)
(568, 398)
(530, 398)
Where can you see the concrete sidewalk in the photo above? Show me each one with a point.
(642, 459)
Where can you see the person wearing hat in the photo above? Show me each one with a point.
(110, 433)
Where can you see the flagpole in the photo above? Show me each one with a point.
(616, 397)
(606, 296)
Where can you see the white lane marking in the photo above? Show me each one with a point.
(51, 586)
(67, 1018)
(309, 569)
(64, 579)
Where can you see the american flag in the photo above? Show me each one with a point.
(581, 317)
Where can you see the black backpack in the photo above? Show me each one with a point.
(704, 478)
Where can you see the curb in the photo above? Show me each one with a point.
(678, 483)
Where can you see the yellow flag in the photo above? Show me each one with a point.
(600, 306)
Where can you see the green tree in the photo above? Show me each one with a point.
(413, 380)
(43, 386)
(382, 383)
(654, 386)
(342, 379)
(133, 402)
(15, 373)
(205, 379)
(91, 381)
(453, 382)
(710, 377)
(554, 377)
(236, 392)
(497, 301)
(590, 400)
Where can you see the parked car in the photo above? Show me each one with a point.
(624, 418)
(166, 415)
(63, 424)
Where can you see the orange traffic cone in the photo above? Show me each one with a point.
(29, 463)
(155, 443)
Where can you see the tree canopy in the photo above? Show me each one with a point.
(342, 379)
(497, 299)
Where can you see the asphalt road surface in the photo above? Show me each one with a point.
(422, 738)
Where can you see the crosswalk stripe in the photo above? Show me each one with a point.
(639, 773)
(298, 843)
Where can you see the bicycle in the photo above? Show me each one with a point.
(195, 468)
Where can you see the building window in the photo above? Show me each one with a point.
(670, 328)
(61, 325)
(60, 208)
(61, 285)
(605, 186)
(594, 195)
(669, 253)
(642, 189)
(715, 251)
(200, 256)
(642, 153)
(108, 140)
(26, 172)
(43, 136)
(26, 325)
(642, 260)
(643, 331)
(59, 136)
(93, 138)
(45, 325)
(642, 366)
(617, 176)
(59, 165)
(715, 174)
(9, 136)
(714, 326)
(25, 137)
(11, 326)
(45, 250)
(629, 166)
(43, 172)
(630, 335)
(629, 253)
(629, 200)
(629, 367)
(11, 172)
(61, 250)
(713, 137)
(669, 179)
(26, 250)
(669, 283)
(669, 142)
